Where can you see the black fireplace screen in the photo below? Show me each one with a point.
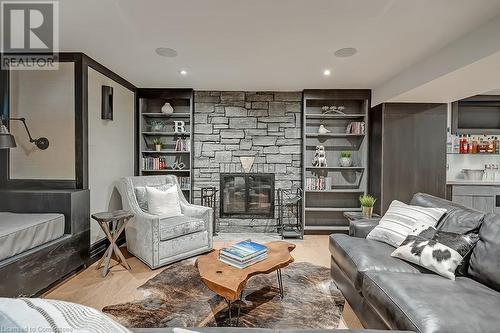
(247, 195)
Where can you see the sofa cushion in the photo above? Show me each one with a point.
(164, 203)
(400, 219)
(458, 219)
(428, 303)
(141, 194)
(355, 256)
(22, 232)
(484, 264)
(173, 227)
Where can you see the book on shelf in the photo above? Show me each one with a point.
(184, 182)
(356, 127)
(319, 183)
(154, 163)
(243, 254)
(182, 144)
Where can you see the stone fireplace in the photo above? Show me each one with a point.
(263, 125)
(244, 195)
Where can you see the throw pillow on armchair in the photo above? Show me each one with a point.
(164, 203)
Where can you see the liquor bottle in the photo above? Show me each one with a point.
(456, 144)
(449, 141)
(491, 145)
(474, 145)
(481, 149)
(463, 144)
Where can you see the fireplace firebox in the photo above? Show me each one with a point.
(247, 195)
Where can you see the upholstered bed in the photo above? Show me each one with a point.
(23, 232)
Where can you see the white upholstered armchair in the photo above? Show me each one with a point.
(159, 241)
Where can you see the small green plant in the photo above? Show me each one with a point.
(345, 154)
(157, 141)
(367, 200)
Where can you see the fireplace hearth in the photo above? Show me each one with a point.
(247, 195)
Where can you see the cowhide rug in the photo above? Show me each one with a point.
(177, 297)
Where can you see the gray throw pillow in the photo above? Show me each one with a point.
(141, 194)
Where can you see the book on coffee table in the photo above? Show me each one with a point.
(243, 254)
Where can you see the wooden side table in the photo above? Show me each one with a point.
(113, 224)
(354, 216)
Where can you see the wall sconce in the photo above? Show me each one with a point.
(107, 103)
(7, 140)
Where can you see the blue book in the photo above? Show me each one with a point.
(250, 247)
(244, 250)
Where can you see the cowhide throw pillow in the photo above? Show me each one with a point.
(438, 251)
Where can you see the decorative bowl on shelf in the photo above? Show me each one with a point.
(473, 174)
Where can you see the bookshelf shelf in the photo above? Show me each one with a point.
(334, 135)
(165, 115)
(335, 116)
(166, 170)
(331, 191)
(150, 102)
(165, 152)
(166, 133)
(336, 168)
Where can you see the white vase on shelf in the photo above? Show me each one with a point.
(167, 108)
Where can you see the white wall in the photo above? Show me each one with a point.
(470, 49)
(111, 146)
(47, 100)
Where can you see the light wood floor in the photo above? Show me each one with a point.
(120, 286)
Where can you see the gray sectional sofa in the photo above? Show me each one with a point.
(389, 293)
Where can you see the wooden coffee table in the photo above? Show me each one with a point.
(228, 281)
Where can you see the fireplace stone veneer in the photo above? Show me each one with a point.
(264, 125)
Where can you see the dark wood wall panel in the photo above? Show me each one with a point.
(411, 153)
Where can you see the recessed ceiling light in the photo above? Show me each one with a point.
(327, 72)
(166, 52)
(183, 72)
(346, 52)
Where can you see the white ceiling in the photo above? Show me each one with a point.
(263, 44)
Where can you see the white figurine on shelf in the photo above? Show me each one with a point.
(319, 159)
(323, 130)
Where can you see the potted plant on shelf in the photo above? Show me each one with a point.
(345, 159)
(157, 143)
(367, 202)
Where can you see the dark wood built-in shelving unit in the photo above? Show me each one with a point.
(323, 209)
(150, 102)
